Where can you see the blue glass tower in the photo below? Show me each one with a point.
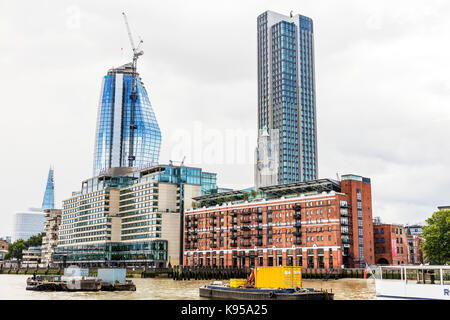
(49, 196)
(286, 95)
(113, 132)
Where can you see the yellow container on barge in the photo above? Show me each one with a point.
(236, 283)
(278, 277)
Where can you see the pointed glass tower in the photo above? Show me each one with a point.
(112, 137)
(49, 196)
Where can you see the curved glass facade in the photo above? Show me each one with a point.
(113, 124)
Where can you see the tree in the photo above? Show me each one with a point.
(35, 241)
(436, 233)
(245, 196)
(253, 193)
(15, 249)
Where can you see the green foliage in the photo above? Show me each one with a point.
(253, 193)
(436, 233)
(15, 249)
(35, 241)
(245, 196)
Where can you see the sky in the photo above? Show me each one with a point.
(382, 84)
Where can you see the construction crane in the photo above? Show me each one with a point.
(137, 52)
(181, 162)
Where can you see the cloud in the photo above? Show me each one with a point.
(381, 78)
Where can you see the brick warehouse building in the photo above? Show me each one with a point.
(316, 224)
(391, 244)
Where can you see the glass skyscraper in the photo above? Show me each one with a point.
(49, 196)
(114, 123)
(286, 99)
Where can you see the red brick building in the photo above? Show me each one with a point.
(415, 255)
(391, 244)
(316, 224)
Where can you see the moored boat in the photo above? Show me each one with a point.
(225, 292)
(76, 279)
(265, 283)
(416, 282)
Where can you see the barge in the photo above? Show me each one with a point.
(225, 292)
(56, 283)
(265, 283)
(76, 279)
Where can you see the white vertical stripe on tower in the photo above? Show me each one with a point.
(117, 125)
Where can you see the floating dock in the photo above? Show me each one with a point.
(76, 279)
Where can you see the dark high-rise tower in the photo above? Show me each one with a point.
(287, 139)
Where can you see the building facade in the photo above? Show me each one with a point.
(317, 224)
(3, 250)
(415, 255)
(287, 97)
(31, 257)
(115, 131)
(130, 216)
(29, 223)
(391, 244)
(50, 240)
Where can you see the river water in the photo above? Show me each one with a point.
(12, 287)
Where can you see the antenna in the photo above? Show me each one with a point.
(133, 96)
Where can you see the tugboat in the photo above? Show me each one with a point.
(265, 283)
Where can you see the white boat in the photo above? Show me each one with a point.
(415, 282)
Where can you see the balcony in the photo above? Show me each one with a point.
(246, 236)
(246, 221)
(297, 234)
(246, 244)
(245, 228)
(297, 207)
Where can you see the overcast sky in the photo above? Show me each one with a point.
(382, 82)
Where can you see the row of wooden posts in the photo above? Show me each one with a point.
(205, 273)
